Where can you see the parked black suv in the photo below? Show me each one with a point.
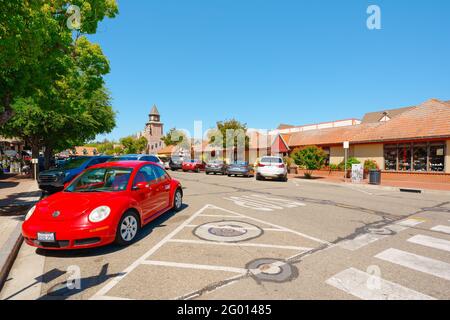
(53, 180)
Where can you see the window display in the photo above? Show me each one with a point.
(390, 157)
(421, 157)
(404, 157)
(437, 157)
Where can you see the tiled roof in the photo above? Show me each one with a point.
(428, 120)
(285, 126)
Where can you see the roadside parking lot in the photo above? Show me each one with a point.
(238, 238)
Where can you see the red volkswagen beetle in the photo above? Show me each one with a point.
(107, 203)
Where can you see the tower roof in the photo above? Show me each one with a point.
(154, 111)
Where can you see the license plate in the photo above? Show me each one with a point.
(46, 236)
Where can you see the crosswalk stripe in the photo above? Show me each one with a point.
(431, 242)
(419, 263)
(368, 238)
(368, 287)
(444, 229)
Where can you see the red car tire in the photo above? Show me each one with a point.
(128, 228)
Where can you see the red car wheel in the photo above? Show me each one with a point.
(128, 228)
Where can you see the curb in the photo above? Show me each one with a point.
(8, 253)
(375, 187)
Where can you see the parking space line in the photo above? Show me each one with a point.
(277, 226)
(114, 281)
(419, 263)
(218, 216)
(431, 242)
(169, 238)
(444, 229)
(195, 266)
(265, 229)
(109, 298)
(240, 244)
(369, 287)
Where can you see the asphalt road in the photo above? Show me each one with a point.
(238, 238)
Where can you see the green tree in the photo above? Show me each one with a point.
(310, 158)
(37, 47)
(132, 145)
(228, 134)
(174, 137)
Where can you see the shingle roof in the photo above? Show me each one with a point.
(376, 116)
(428, 120)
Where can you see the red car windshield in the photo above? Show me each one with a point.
(101, 180)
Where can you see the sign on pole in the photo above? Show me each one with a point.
(346, 144)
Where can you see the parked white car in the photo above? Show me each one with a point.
(271, 168)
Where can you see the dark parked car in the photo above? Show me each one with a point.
(137, 157)
(176, 163)
(240, 168)
(53, 180)
(216, 166)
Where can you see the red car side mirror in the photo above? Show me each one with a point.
(141, 186)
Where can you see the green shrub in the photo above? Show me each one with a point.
(350, 162)
(311, 158)
(334, 167)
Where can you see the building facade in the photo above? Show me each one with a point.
(405, 142)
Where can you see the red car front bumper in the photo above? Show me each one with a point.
(68, 237)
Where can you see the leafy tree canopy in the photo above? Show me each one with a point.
(37, 47)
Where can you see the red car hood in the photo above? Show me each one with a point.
(70, 205)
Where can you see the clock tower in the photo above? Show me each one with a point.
(154, 131)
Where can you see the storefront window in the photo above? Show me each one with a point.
(437, 157)
(390, 157)
(415, 157)
(404, 157)
(420, 157)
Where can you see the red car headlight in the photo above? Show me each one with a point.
(30, 213)
(99, 214)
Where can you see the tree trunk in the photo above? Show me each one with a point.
(8, 112)
(48, 153)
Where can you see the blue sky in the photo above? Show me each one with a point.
(266, 62)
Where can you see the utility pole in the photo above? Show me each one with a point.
(346, 147)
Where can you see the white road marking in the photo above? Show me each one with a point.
(142, 260)
(245, 244)
(275, 226)
(368, 238)
(444, 229)
(195, 266)
(265, 229)
(264, 203)
(357, 283)
(109, 298)
(114, 281)
(431, 242)
(218, 216)
(419, 263)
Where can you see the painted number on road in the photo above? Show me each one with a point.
(263, 203)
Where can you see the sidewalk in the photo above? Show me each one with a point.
(385, 184)
(17, 195)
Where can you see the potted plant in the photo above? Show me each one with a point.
(369, 165)
(350, 161)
